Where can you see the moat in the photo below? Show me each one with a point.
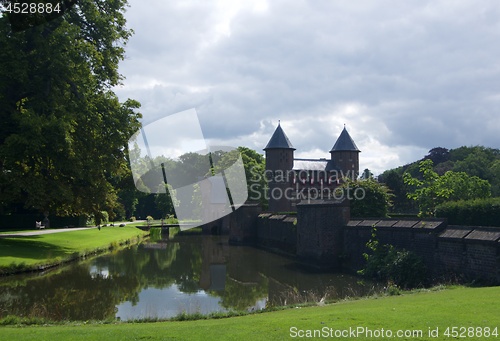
(162, 279)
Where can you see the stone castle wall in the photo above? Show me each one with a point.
(324, 235)
(243, 224)
(419, 236)
(320, 231)
(277, 231)
(465, 251)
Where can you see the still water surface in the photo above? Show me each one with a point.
(186, 274)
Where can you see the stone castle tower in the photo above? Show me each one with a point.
(287, 175)
(279, 160)
(345, 155)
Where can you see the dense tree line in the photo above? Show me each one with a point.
(191, 167)
(445, 175)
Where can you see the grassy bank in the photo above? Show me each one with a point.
(425, 315)
(24, 253)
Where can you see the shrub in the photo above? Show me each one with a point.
(101, 217)
(132, 219)
(90, 220)
(399, 267)
(482, 212)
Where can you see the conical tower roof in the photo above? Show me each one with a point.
(279, 140)
(344, 143)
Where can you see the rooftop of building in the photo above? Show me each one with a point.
(344, 143)
(313, 164)
(279, 140)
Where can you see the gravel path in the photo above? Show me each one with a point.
(39, 232)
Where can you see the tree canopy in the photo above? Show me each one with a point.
(479, 161)
(368, 198)
(434, 189)
(64, 131)
(254, 165)
(189, 168)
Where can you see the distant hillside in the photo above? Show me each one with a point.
(478, 161)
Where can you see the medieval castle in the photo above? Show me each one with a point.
(323, 234)
(291, 179)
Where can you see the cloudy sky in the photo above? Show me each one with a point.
(404, 76)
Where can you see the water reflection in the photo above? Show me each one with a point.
(167, 302)
(188, 274)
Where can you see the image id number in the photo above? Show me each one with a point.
(472, 332)
(32, 8)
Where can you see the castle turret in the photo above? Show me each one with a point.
(279, 164)
(345, 155)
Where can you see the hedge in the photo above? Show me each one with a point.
(479, 212)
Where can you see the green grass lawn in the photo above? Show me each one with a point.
(30, 251)
(416, 313)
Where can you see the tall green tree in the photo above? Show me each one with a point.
(400, 202)
(476, 164)
(368, 198)
(64, 131)
(433, 189)
(254, 165)
(438, 155)
(494, 170)
(367, 174)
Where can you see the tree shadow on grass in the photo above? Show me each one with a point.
(29, 248)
